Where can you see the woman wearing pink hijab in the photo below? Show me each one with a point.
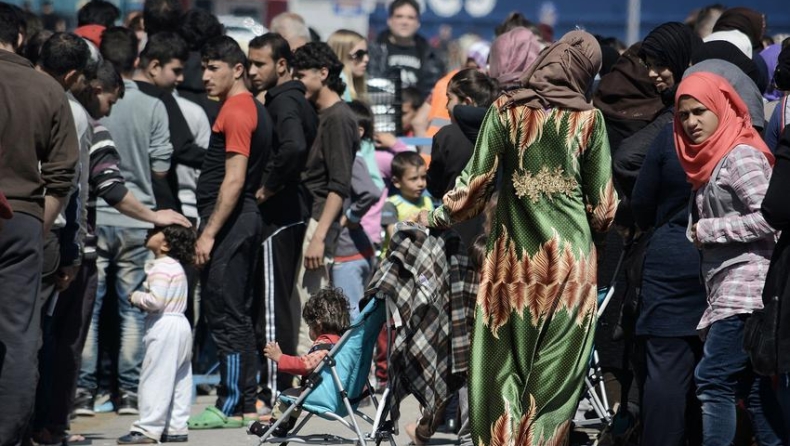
(511, 55)
(729, 167)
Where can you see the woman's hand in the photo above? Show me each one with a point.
(421, 218)
(695, 237)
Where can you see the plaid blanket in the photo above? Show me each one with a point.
(434, 286)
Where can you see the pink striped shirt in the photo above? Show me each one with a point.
(165, 289)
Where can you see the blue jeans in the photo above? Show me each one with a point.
(783, 393)
(352, 277)
(725, 373)
(124, 249)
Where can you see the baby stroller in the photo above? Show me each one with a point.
(336, 387)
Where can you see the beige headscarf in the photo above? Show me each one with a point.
(561, 74)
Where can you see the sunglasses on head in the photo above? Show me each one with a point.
(359, 54)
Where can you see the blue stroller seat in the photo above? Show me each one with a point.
(335, 388)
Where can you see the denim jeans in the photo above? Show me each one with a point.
(725, 374)
(783, 393)
(124, 249)
(352, 277)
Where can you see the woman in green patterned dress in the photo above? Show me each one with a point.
(535, 316)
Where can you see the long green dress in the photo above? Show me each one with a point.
(535, 313)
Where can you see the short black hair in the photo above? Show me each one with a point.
(364, 117)
(472, 83)
(398, 3)
(164, 47)
(225, 49)
(403, 161)
(198, 26)
(119, 46)
(329, 309)
(161, 15)
(11, 24)
(181, 241)
(413, 96)
(513, 20)
(34, 44)
(277, 43)
(109, 78)
(64, 52)
(98, 12)
(318, 55)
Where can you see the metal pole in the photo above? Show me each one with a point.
(633, 21)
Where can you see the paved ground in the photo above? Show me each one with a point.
(104, 429)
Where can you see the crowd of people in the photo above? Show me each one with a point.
(215, 193)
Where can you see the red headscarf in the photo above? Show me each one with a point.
(735, 127)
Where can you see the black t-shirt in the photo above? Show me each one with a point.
(243, 126)
(407, 60)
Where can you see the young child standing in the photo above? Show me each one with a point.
(165, 390)
(326, 315)
(409, 174)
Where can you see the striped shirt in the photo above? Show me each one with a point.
(165, 289)
(737, 289)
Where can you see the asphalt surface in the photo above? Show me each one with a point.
(105, 428)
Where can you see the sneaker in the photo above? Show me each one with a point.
(136, 438)
(174, 438)
(127, 404)
(83, 403)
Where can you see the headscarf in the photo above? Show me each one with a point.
(782, 72)
(745, 20)
(723, 50)
(609, 56)
(627, 92)
(743, 85)
(735, 127)
(561, 75)
(478, 52)
(735, 37)
(671, 44)
(91, 32)
(771, 57)
(512, 54)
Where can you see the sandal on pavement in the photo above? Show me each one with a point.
(213, 418)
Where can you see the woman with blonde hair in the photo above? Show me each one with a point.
(352, 49)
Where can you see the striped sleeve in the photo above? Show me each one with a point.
(106, 180)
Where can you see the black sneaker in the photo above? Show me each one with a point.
(83, 403)
(135, 438)
(127, 404)
(174, 438)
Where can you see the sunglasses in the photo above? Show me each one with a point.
(359, 54)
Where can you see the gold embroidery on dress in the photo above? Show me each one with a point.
(547, 181)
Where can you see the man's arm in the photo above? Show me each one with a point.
(314, 255)
(285, 162)
(228, 197)
(52, 207)
(58, 166)
(131, 207)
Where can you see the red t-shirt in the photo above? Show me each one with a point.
(237, 121)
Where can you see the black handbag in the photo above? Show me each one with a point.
(759, 337)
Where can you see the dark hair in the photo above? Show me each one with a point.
(403, 161)
(198, 26)
(161, 15)
(317, 55)
(707, 16)
(477, 251)
(512, 21)
(181, 241)
(34, 44)
(164, 47)
(398, 3)
(364, 117)
(225, 49)
(277, 44)
(109, 78)
(98, 12)
(329, 309)
(64, 52)
(412, 95)
(33, 25)
(119, 46)
(475, 85)
(11, 24)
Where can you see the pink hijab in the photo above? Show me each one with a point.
(512, 54)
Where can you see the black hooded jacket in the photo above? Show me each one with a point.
(432, 68)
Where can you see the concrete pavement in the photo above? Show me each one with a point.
(105, 428)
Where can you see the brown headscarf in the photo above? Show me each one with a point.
(745, 20)
(561, 74)
(627, 92)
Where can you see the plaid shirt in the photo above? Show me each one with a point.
(737, 289)
(433, 284)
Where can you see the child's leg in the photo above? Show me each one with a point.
(182, 396)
